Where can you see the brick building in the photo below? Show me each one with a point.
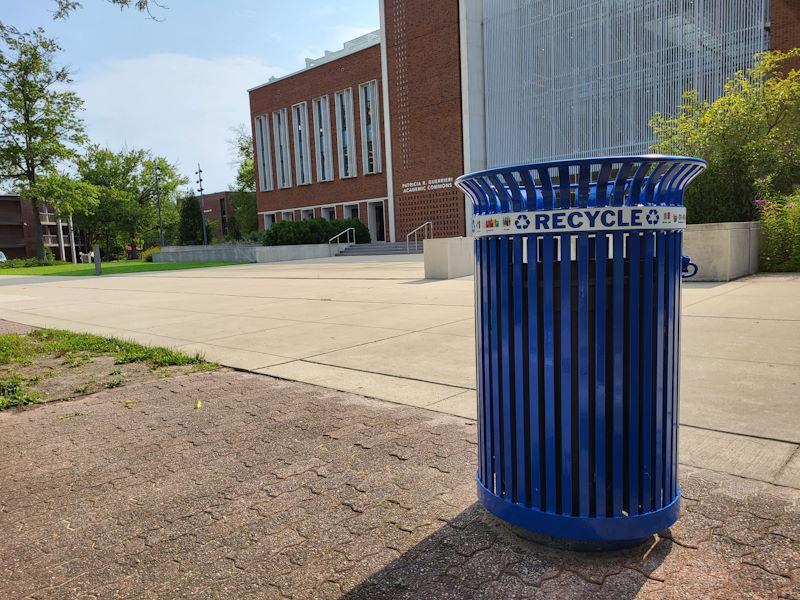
(218, 208)
(380, 128)
(17, 233)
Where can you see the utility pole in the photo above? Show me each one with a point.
(158, 200)
(199, 174)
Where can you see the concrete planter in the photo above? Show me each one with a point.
(244, 253)
(448, 258)
(723, 251)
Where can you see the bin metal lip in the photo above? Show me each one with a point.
(596, 219)
(577, 162)
(585, 529)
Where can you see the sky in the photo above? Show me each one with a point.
(178, 85)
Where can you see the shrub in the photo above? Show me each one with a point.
(147, 255)
(780, 232)
(19, 263)
(748, 133)
(313, 231)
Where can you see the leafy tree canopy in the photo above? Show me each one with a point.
(65, 7)
(128, 193)
(749, 136)
(67, 196)
(241, 147)
(40, 126)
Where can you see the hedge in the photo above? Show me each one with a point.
(312, 231)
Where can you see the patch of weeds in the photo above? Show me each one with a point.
(73, 414)
(16, 348)
(116, 372)
(205, 366)
(14, 392)
(130, 403)
(115, 383)
(83, 389)
(34, 379)
(74, 359)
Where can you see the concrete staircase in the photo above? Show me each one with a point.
(381, 248)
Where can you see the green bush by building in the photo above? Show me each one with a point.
(312, 231)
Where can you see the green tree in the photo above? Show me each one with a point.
(241, 147)
(748, 136)
(39, 123)
(190, 227)
(127, 210)
(67, 196)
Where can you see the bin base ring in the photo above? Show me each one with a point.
(591, 533)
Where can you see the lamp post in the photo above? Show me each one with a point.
(199, 174)
(158, 201)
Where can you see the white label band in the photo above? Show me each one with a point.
(575, 220)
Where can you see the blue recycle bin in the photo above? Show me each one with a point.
(577, 290)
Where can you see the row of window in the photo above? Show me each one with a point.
(301, 133)
(326, 212)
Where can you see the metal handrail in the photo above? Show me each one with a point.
(424, 228)
(340, 234)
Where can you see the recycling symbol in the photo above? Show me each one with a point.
(652, 217)
(522, 222)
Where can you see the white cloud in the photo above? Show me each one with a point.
(179, 106)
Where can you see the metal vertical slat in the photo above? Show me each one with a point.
(618, 358)
(495, 362)
(677, 358)
(565, 266)
(647, 371)
(669, 364)
(584, 474)
(534, 356)
(505, 352)
(600, 450)
(549, 366)
(521, 478)
(488, 374)
(658, 341)
(634, 251)
(479, 367)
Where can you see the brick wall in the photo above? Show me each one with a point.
(785, 30)
(424, 74)
(348, 71)
(211, 202)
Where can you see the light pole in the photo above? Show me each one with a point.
(199, 174)
(158, 200)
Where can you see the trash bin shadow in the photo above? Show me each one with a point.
(475, 555)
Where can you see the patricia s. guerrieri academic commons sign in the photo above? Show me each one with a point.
(581, 220)
(427, 185)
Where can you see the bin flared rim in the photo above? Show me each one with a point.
(576, 162)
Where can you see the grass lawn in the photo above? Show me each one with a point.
(109, 268)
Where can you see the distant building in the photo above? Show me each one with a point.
(18, 234)
(218, 208)
(380, 128)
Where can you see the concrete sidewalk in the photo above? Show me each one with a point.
(375, 327)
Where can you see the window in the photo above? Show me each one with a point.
(302, 155)
(329, 213)
(351, 211)
(306, 214)
(283, 164)
(264, 155)
(344, 132)
(287, 216)
(370, 129)
(269, 220)
(223, 216)
(322, 131)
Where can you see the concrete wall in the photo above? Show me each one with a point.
(722, 251)
(244, 253)
(448, 258)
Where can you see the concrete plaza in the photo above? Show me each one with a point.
(375, 327)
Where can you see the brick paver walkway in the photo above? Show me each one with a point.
(282, 490)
